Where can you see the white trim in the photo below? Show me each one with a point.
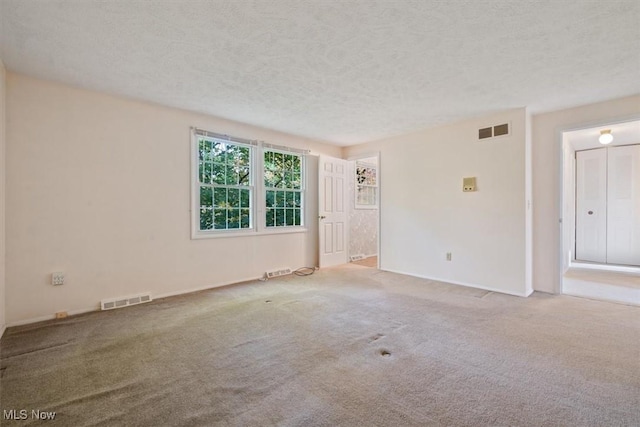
(528, 200)
(204, 288)
(284, 149)
(221, 234)
(468, 285)
(379, 155)
(223, 137)
(364, 155)
(2, 329)
(52, 316)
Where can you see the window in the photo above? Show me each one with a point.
(283, 188)
(366, 185)
(242, 187)
(225, 181)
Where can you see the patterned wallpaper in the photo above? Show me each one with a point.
(363, 223)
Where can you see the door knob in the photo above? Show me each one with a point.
(322, 217)
(590, 212)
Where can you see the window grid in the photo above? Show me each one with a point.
(232, 178)
(225, 183)
(283, 189)
(366, 185)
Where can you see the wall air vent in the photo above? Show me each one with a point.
(111, 303)
(500, 130)
(485, 133)
(493, 131)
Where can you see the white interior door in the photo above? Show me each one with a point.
(332, 206)
(591, 205)
(623, 205)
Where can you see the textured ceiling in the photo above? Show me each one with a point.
(343, 71)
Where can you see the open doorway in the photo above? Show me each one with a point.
(364, 212)
(601, 212)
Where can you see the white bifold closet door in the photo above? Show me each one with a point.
(608, 205)
(591, 205)
(623, 205)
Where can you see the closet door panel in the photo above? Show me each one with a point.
(591, 205)
(623, 205)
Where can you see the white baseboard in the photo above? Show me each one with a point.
(204, 288)
(97, 307)
(468, 285)
(2, 329)
(51, 316)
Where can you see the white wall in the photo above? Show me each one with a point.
(425, 214)
(547, 186)
(2, 196)
(98, 188)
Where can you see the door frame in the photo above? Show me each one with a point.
(567, 202)
(366, 155)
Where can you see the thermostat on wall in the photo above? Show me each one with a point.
(469, 184)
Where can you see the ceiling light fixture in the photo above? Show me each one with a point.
(605, 137)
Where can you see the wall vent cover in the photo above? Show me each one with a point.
(356, 257)
(493, 131)
(111, 303)
(500, 130)
(485, 133)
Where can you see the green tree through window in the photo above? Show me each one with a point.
(242, 186)
(225, 179)
(283, 188)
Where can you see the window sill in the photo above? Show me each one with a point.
(198, 235)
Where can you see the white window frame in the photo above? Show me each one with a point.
(302, 189)
(257, 189)
(375, 187)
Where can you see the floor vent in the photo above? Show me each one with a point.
(356, 257)
(278, 273)
(111, 303)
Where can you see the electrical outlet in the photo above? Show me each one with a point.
(57, 278)
(448, 256)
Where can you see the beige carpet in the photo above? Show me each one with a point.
(350, 346)
(371, 261)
